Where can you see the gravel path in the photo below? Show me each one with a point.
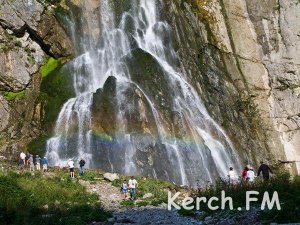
(109, 195)
(111, 198)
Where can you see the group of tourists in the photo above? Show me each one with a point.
(41, 164)
(248, 174)
(27, 160)
(131, 186)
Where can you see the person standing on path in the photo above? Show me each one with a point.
(265, 170)
(21, 165)
(71, 167)
(124, 189)
(23, 156)
(232, 176)
(81, 167)
(244, 173)
(132, 183)
(250, 175)
(38, 163)
(31, 164)
(45, 164)
(27, 159)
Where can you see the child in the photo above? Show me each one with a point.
(124, 189)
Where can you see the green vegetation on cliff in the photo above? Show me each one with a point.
(56, 89)
(50, 66)
(11, 96)
(38, 145)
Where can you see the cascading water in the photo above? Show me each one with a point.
(202, 152)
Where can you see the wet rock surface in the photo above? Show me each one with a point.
(241, 57)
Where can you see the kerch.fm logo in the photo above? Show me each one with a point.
(215, 203)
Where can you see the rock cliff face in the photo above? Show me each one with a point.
(242, 57)
(29, 33)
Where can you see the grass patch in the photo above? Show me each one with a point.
(128, 203)
(27, 199)
(288, 190)
(92, 175)
(142, 203)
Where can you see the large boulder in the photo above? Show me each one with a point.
(148, 195)
(111, 176)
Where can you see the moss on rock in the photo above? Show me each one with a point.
(50, 66)
(38, 145)
(11, 96)
(56, 89)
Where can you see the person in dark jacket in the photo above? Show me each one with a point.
(81, 166)
(265, 170)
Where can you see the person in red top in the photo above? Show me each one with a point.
(244, 173)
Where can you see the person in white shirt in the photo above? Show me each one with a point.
(132, 183)
(232, 176)
(71, 167)
(23, 156)
(250, 175)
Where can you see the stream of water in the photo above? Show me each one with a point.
(101, 47)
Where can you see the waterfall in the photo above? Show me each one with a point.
(203, 153)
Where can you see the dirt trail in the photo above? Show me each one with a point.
(111, 198)
(109, 195)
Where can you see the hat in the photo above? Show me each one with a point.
(70, 159)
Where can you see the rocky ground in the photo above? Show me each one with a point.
(110, 196)
(111, 199)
